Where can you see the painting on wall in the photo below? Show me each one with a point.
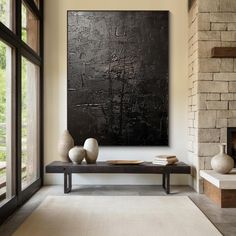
(118, 77)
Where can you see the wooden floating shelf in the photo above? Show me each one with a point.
(223, 52)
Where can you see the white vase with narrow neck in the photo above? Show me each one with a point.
(222, 163)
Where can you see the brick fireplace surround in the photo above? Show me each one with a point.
(212, 81)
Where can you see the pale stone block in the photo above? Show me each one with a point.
(201, 103)
(226, 114)
(213, 97)
(205, 76)
(227, 65)
(194, 100)
(232, 87)
(225, 76)
(227, 6)
(194, 90)
(210, 35)
(204, 21)
(228, 44)
(227, 96)
(190, 69)
(231, 26)
(212, 87)
(192, 15)
(189, 92)
(190, 81)
(232, 105)
(193, 57)
(194, 77)
(208, 135)
(190, 124)
(195, 46)
(221, 123)
(232, 122)
(194, 108)
(209, 65)
(207, 163)
(191, 115)
(217, 105)
(208, 5)
(195, 67)
(201, 163)
(206, 119)
(234, 65)
(191, 131)
(193, 29)
(228, 36)
(223, 135)
(208, 149)
(223, 17)
(205, 47)
(218, 26)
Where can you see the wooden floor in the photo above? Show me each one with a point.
(223, 219)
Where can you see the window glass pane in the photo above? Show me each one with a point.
(30, 29)
(29, 122)
(5, 122)
(6, 13)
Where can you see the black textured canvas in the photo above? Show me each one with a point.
(118, 76)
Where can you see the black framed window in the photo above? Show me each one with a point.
(21, 102)
(7, 13)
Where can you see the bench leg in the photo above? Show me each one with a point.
(167, 183)
(67, 182)
(164, 181)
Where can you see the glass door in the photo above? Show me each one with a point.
(29, 123)
(21, 104)
(6, 123)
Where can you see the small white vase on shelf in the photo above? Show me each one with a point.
(66, 142)
(91, 147)
(77, 154)
(222, 163)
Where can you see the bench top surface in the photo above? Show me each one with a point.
(104, 167)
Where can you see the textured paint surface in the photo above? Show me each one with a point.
(118, 77)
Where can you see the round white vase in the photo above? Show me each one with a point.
(77, 154)
(66, 142)
(91, 147)
(222, 163)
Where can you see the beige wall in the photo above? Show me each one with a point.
(56, 77)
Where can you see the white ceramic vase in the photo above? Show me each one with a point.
(91, 147)
(222, 163)
(66, 142)
(77, 154)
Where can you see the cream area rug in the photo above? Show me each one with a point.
(117, 216)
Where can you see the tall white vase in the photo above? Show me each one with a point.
(222, 162)
(91, 147)
(66, 142)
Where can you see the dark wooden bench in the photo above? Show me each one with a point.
(68, 168)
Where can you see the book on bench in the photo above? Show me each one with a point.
(165, 160)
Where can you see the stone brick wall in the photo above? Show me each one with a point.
(212, 81)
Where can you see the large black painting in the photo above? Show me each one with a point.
(118, 74)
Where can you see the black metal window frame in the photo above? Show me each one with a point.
(20, 48)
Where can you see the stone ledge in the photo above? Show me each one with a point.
(222, 181)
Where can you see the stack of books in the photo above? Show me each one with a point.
(165, 160)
